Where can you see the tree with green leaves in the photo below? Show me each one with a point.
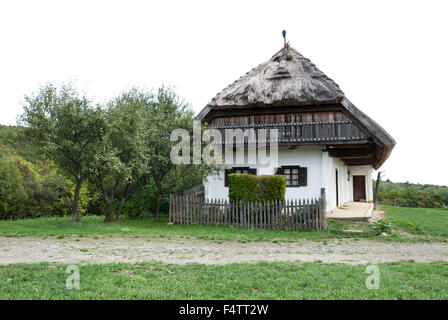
(70, 130)
(123, 156)
(165, 114)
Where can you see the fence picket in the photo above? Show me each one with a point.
(274, 215)
(246, 214)
(296, 216)
(216, 211)
(307, 213)
(219, 212)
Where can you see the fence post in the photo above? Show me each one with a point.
(323, 208)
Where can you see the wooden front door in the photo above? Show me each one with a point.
(359, 188)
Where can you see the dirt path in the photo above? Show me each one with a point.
(179, 250)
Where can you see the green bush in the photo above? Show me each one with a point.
(382, 226)
(141, 203)
(12, 190)
(31, 191)
(250, 188)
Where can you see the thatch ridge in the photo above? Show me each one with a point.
(288, 78)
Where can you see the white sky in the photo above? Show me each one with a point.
(389, 57)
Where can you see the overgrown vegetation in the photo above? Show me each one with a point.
(412, 195)
(30, 186)
(277, 280)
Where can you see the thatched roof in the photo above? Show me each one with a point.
(383, 140)
(288, 78)
(381, 136)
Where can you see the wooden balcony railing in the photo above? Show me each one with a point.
(296, 132)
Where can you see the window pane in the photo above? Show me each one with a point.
(288, 182)
(295, 176)
(286, 171)
(245, 171)
(295, 170)
(295, 182)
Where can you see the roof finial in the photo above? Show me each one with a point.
(285, 44)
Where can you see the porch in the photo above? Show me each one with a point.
(352, 211)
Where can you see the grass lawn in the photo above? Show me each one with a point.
(403, 280)
(426, 224)
(94, 226)
(420, 221)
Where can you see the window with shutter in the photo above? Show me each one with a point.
(295, 175)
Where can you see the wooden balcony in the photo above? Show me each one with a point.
(297, 133)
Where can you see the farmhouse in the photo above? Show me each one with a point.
(324, 141)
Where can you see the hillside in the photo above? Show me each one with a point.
(14, 142)
(405, 194)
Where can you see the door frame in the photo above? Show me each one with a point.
(337, 187)
(356, 187)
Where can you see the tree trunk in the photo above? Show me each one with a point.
(158, 204)
(75, 213)
(109, 217)
(375, 196)
(120, 207)
(123, 198)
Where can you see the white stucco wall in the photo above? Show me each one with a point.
(309, 157)
(321, 174)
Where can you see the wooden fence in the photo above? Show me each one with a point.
(195, 192)
(289, 214)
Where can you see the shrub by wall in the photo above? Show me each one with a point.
(249, 188)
